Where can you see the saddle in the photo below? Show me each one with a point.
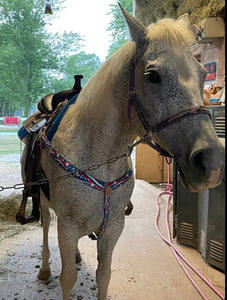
(49, 108)
(50, 102)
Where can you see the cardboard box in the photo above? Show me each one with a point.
(151, 166)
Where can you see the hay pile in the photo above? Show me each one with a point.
(201, 9)
(150, 11)
(8, 209)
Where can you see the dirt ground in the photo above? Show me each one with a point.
(143, 265)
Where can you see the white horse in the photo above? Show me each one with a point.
(152, 86)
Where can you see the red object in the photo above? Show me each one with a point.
(11, 120)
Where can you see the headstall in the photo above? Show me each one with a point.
(143, 115)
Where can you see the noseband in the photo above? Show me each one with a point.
(143, 115)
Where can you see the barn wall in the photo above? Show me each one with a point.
(215, 51)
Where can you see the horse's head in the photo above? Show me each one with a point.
(167, 81)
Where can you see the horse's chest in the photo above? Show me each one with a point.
(84, 202)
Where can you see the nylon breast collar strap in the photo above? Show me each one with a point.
(92, 182)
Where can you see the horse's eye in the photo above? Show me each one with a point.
(153, 76)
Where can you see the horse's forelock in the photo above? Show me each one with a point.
(171, 31)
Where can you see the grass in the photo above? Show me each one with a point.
(10, 144)
(8, 129)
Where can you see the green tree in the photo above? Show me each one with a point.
(24, 54)
(64, 46)
(80, 63)
(32, 62)
(117, 27)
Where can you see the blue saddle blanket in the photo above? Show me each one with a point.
(23, 132)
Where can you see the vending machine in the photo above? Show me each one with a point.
(199, 218)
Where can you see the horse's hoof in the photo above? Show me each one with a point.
(129, 209)
(78, 258)
(44, 274)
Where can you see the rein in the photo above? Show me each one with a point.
(143, 116)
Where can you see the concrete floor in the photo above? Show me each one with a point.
(151, 262)
(143, 267)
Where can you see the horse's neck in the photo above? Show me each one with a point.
(96, 128)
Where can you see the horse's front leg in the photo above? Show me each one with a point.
(105, 247)
(44, 272)
(68, 245)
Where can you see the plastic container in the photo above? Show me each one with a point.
(215, 101)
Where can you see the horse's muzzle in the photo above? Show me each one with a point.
(207, 166)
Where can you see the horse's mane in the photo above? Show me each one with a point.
(96, 96)
(172, 31)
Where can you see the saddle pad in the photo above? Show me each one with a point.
(22, 133)
(59, 117)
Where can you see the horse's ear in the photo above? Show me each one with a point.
(184, 19)
(137, 30)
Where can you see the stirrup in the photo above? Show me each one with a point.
(34, 217)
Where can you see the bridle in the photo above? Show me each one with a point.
(143, 116)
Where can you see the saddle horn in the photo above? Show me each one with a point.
(49, 102)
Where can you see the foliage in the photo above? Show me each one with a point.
(81, 63)
(24, 54)
(118, 28)
(62, 46)
(34, 62)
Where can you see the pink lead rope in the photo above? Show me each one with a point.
(176, 252)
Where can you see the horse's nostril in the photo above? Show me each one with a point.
(197, 161)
